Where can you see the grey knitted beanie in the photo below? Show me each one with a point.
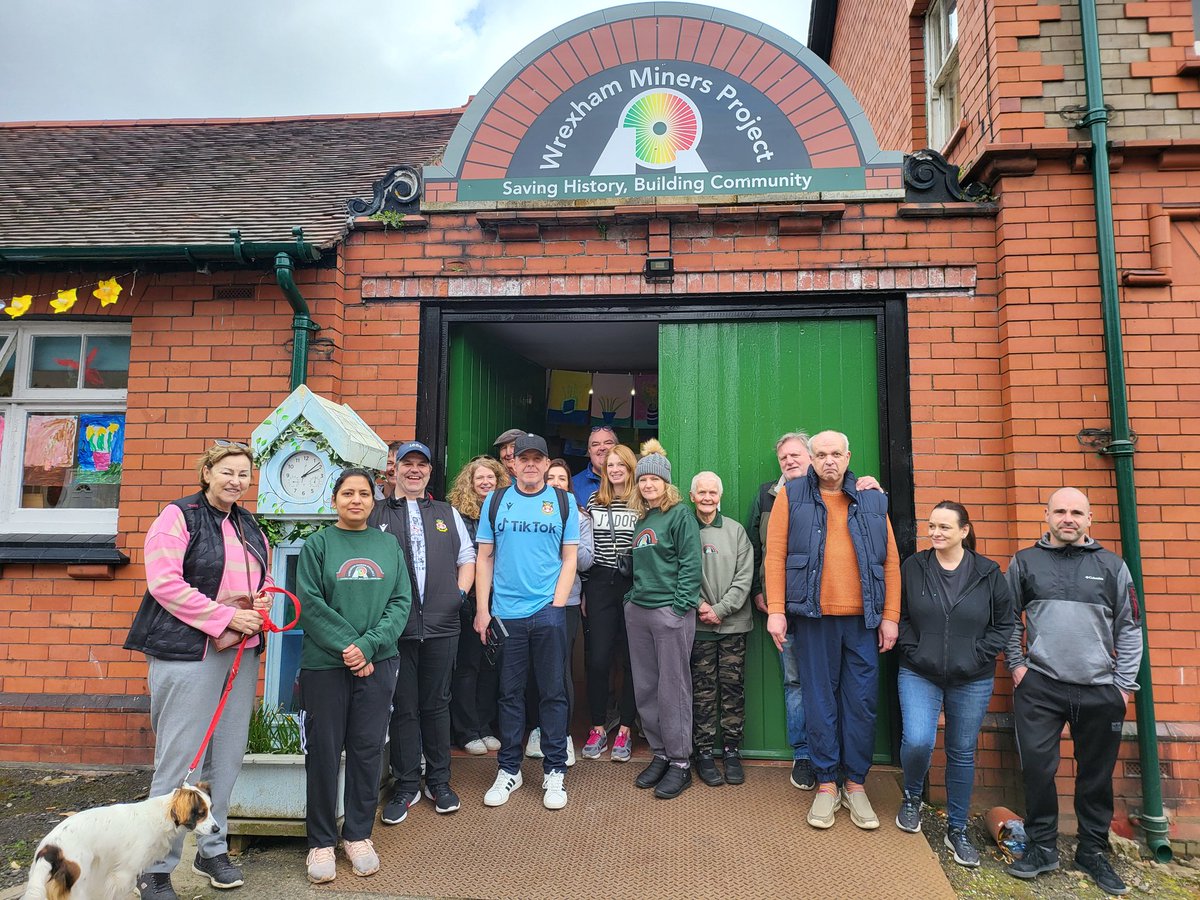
(654, 461)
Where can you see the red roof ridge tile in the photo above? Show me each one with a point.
(250, 120)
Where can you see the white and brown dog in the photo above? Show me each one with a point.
(98, 854)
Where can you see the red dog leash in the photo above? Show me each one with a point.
(268, 625)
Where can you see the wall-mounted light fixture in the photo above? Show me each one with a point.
(659, 268)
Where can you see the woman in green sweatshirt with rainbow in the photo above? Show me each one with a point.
(355, 596)
(660, 622)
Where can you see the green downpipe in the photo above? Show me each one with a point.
(302, 323)
(1151, 819)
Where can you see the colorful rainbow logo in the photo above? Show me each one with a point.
(664, 122)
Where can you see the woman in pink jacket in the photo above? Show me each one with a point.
(202, 552)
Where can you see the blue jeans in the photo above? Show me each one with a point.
(920, 703)
(537, 643)
(793, 699)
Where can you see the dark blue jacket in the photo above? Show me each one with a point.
(807, 527)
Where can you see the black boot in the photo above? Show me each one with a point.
(653, 773)
(674, 782)
(734, 773)
(706, 768)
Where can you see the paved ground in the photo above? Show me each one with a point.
(683, 848)
(613, 840)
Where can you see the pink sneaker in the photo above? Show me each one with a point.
(622, 747)
(363, 858)
(597, 743)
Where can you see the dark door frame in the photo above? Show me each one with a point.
(888, 309)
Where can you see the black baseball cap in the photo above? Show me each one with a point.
(530, 442)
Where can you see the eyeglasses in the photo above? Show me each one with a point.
(238, 445)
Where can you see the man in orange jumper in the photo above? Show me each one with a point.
(833, 570)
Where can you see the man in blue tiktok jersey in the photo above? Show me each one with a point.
(528, 539)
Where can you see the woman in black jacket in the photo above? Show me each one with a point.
(956, 615)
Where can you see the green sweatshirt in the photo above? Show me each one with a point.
(354, 589)
(728, 570)
(666, 561)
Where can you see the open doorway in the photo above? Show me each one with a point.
(731, 377)
(558, 379)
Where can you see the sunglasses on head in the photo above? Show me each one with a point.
(220, 442)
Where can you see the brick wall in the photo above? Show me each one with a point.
(1006, 367)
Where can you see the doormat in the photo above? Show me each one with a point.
(613, 840)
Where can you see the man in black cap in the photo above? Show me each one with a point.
(528, 540)
(441, 564)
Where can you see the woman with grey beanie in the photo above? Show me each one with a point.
(660, 622)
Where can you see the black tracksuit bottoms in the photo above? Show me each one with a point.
(1041, 706)
(341, 711)
(421, 712)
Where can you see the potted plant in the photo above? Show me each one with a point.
(271, 785)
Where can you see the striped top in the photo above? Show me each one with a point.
(624, 524)
(166, 544)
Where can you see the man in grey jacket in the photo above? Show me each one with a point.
(1079, 666)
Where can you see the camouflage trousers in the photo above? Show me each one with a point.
(718, 689)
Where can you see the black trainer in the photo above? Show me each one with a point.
(909, 817)
(653, 773)
(734, 773)
(960, 845)
(674, 782)
(156, 886)
(444, 799)
(221, 872)
(1037, 859)
(1097, 868)
(396, 810)
(706, 769)
(803, 775)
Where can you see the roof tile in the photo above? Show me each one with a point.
(192, 181)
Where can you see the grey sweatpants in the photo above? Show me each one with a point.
(183, 697)
(660, 652)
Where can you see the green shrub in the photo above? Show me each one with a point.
(272, 731)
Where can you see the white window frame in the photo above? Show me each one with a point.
(942, 108)
(13, 518)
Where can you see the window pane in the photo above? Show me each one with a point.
(72, 462)
(55, 362)
(107, 365)
(951, 23)
(7, 365)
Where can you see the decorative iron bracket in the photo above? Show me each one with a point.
(929, 178)
(397, 191)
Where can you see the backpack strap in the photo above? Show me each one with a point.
(565, 512)
(493, 505)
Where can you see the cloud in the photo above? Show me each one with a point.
(124, 59)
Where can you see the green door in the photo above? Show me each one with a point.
(727, 390)
(490, 390)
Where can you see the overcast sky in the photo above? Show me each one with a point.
(141, 59)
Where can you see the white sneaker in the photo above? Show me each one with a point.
(491, 742)
(555, 797)
(505, 784)
(570, 752)
(533, 747)
(476, 747)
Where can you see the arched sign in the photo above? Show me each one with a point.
(685, 101)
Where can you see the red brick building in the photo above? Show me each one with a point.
(818, 278)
